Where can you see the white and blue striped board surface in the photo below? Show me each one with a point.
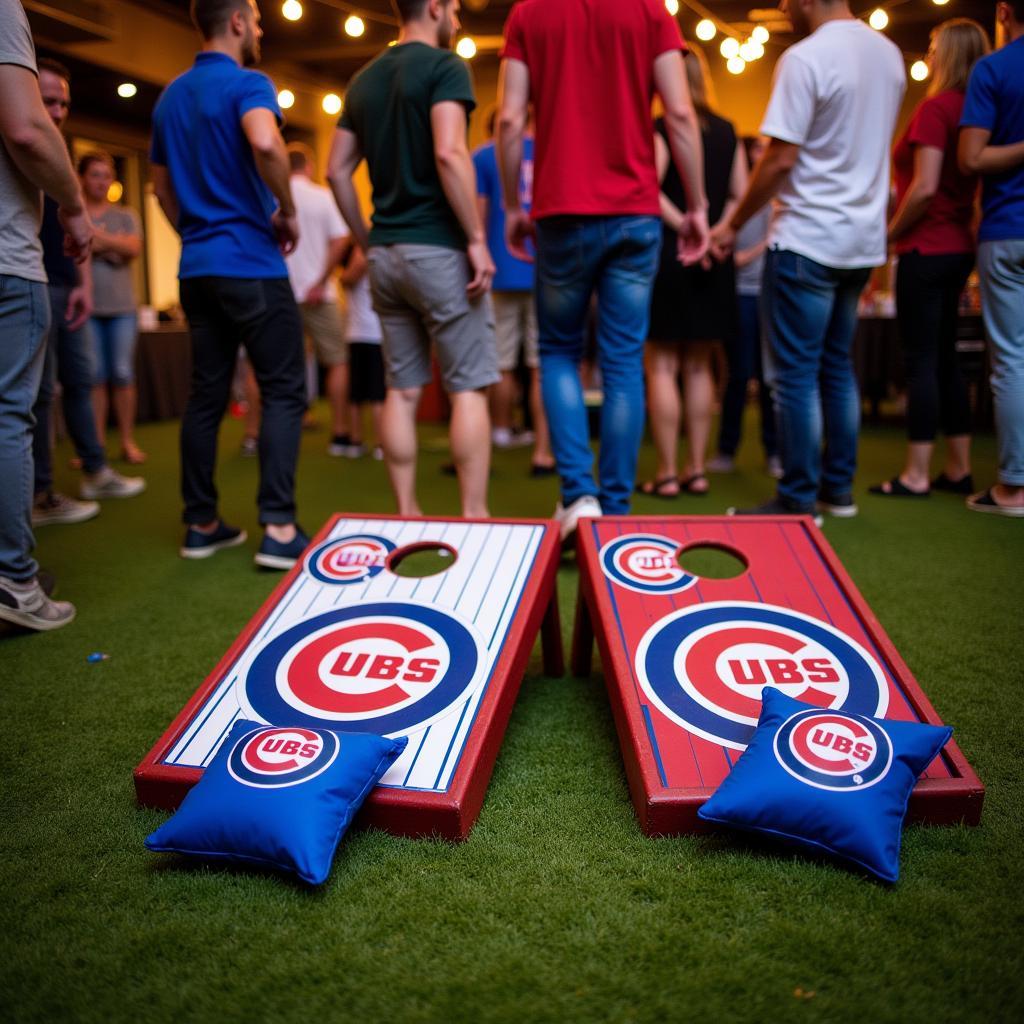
(344, 642)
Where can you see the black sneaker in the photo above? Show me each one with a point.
(840, 505)
(273, 554)
(202, 545)
(776, 507)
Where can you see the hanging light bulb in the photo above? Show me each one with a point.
(354, 26)
(730, 47)
(291, 9)
(706, 30)
(466, 48)
(919, 71)
(940, 3)
(126, 90)
(286, 99)
(760, 34)
(736, 65)
(879, 19)
(331, 103)
(672, 6)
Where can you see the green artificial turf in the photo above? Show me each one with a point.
(556, 908)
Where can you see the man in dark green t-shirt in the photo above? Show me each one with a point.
(430, 269)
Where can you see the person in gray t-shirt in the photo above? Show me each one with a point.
(113, 327)
(32, 157)
(743, 348)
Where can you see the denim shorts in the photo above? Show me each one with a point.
(113, 346)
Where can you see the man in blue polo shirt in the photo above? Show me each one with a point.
(992, 144)
(221, 173)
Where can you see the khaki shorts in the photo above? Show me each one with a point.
(515, 327)
(419, 293)
(323, 326)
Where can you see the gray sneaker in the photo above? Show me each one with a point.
(108, 483)
(26, 605)
(59, 508)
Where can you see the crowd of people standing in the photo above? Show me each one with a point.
(659, 230)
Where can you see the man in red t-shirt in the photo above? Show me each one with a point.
(591, 70)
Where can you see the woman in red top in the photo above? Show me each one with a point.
(932, 231)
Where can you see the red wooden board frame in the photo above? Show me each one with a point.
(662, 810)
(450, 814)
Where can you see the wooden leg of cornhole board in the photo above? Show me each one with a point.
(551, 639)
(582, 638)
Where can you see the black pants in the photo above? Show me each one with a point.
(927, 296)
(224, 312)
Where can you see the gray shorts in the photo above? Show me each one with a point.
(419, 293)
(515, 320)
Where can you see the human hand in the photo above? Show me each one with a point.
(77, 233)
(693, 236)
(723, 241)
(482, 265)
(286, 230)
(79, 307)
(519, 229)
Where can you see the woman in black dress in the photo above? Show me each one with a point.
(692, 307)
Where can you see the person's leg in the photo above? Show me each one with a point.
(566, 273)
(797, 302)
(76, 372)
(629, 249)
(541, 459)
(664, 409)
(740, 351)
(1001, 273)
(699, 397)
(769, 424)
(957, 419)
(840, 395)
(336, 386)
(398, 436)
(214, 346)
(472, 459)
(42, 432)
(123, 332)
(253, 406)
(97, 331)
(24, 322)
(502, 394)
(323, 324)
(267, 320)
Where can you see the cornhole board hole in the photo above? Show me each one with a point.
(685, 657)
(346, 642)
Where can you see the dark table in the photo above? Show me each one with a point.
(163, 366)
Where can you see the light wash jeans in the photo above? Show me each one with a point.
(1001, 275)
(24, 321)
(809, 313)
(616, 257)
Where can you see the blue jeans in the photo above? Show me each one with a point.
(617, 257)
(810, 317)
(24, 321)
(69, 360)
(113, 340)
(743, 352)
(1001, 275)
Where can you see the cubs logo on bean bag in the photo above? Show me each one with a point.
(827, 779)
(277, 796)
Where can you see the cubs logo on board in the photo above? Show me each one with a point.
(386, 668)
(645, 563)
(833, 750)
(274, 758)
(353, 559)
(704, 667)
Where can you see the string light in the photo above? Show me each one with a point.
(286, 99)
(751, 51)
(115, 192)
(291, 10)
(730, 48)
(940, 3)
(466, 48)
(126, 90)
(672, 6)
(706, 30)
(760, 34)
(331, 103)
(919, 71)
(736, 65)
(354, 26)
(879, 19)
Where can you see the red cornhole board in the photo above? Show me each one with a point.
(345, 643)
(685, 657)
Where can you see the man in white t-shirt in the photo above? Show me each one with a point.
(323, 239)
(829, 121)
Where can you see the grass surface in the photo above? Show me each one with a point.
(556, 908)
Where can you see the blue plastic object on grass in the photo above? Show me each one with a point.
(280, 797)
(827, 780)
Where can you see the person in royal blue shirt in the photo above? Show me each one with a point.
(992, 144)
(221, 174)
(515, 315)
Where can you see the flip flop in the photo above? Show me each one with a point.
(897, 489)
(965, 485)
(687, 485)
(656, 488)
(985, 502)
(537, 469)
(133, 455)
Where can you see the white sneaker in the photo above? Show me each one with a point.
(720, 463)
(26, 605)
(587, 507)
(773, 467)
(59, 508)
(108, 483)
(505, 439)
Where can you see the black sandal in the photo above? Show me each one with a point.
(686, 483)
(965, 485)
(897, 489)
(656, 488)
